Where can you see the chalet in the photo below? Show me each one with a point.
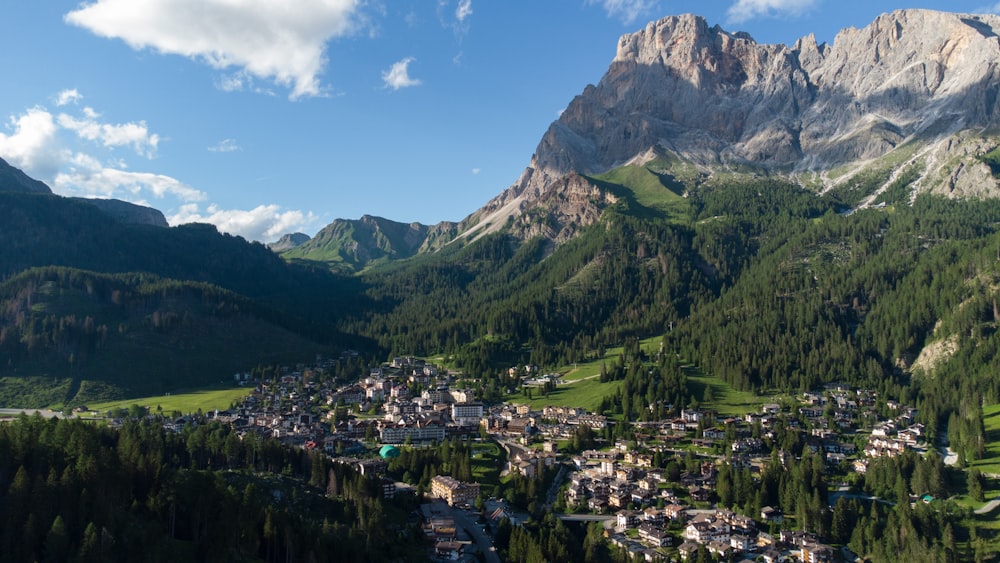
(692, 416)
(816, 553)
(674, 511)
(771, 408)
(720, 549)
(627, 519)
(688, 549)
(619, 500)
(769, 514)
(597, 504)
(652, 515)
(650, 534)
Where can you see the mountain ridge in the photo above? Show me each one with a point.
(912, 96)
(719, 99)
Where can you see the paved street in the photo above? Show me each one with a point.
(11, 413)
(466, 521)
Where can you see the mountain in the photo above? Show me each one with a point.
(906, 105)
(128, 212)
(916, 91)
(288, 242)
(74, 336)
(357, 243)
(14, 180)
(179, 306)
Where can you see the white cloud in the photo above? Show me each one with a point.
(226, 145)
(269, 40)
(85, 176)
(32, 145)
(463, 10)
(38, 145)
(745, 10)
(134, 134)
(67, 97)
(990, 9)
(263, 223)
(626, 10)
(476, 171)
(398, 76)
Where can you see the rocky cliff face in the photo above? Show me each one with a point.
(917, 78)
(288, 242)
(126, 212)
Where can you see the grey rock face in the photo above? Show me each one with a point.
(126, 212)
(718, 99)
(288, 242)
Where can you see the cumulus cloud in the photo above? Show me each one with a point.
(32, 144)
(225, 145)
(626, 10)
(134, 134)
(745, 10)
(39, 145)
(269, 40)
(262, 223)
(398, 76)
(86, 177)
(67, 97)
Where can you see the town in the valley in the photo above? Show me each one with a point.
(656, 494)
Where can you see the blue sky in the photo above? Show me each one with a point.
(271, 116)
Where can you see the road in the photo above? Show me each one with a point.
(477, 534)
(988, 507)
(585, 517)
(11, 413)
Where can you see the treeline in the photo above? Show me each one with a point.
(76, 491)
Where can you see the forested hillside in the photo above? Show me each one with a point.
(95, 308)
(78, 491)
(759, 281)
(74, 336)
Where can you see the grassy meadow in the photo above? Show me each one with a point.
(203, 400)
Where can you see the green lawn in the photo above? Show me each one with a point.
(487, 460)
(586, 393)
(187, 402)
(725, 399)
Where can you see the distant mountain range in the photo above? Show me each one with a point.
(913, 94)
(724, 194)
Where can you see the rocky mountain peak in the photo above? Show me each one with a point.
(719, 99)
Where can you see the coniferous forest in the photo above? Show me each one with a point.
(766, 285)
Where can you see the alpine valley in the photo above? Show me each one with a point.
(776, 217)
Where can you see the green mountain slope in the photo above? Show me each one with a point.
(75, 336)
(354, 244)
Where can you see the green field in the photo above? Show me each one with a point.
(204, 400)
(991, 459)
(725, 401)
(582, 387)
